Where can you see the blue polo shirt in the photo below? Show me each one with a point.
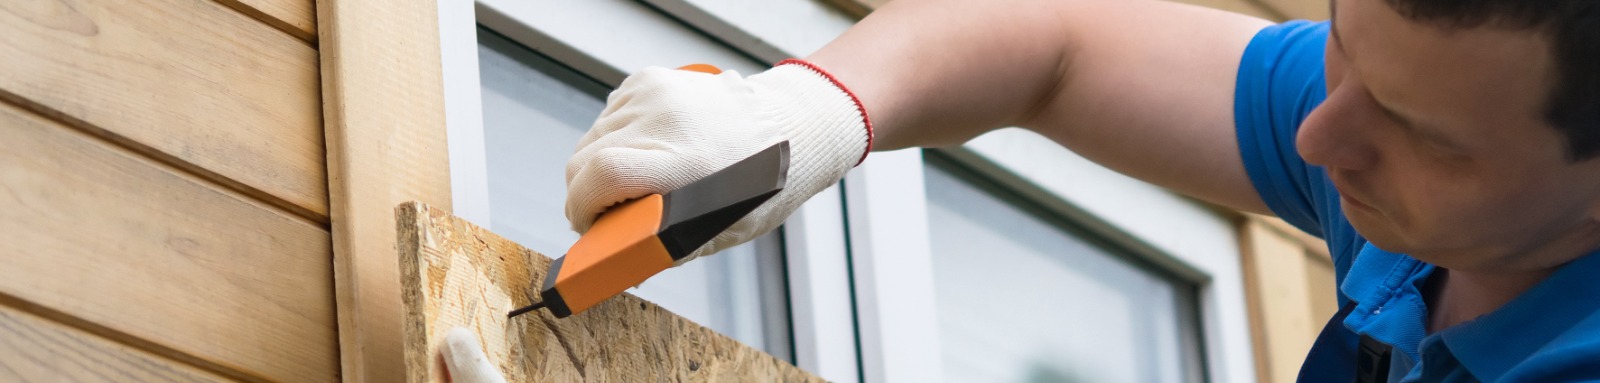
(1551, 333)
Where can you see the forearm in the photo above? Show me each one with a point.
(1142, 87)
(939, 72)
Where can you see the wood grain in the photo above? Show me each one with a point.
(112, 238)
(33, 349)
(459, 275)
(383, 98)
(192, 83)
(295, 17)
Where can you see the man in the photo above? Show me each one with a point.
(1446, 149)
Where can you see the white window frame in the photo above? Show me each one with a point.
(859, 259)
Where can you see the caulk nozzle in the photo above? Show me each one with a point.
(525, 310)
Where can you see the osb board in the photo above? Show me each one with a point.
(109, 237)
(34, 349)
(459, 275)
(191, 83)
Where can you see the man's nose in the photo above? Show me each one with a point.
(1339, 134)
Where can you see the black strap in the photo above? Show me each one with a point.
(1336, 346)
(1372, 365)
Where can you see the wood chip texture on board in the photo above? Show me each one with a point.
(455, 274)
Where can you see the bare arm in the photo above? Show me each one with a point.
(1141, 86)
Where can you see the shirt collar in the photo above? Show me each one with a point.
(1492, 344)
(1386, 288)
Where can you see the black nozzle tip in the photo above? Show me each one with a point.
(525, 309)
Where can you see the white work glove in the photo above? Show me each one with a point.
(465, 361)
(664, 128)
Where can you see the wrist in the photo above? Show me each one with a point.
(861, 109)
(828, 133)
(805, 101)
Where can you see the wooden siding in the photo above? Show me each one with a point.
(110, 237)
(163, 193)
(33, 349)
(295, 17)
(192, 83)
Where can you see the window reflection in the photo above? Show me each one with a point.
(1021, 299)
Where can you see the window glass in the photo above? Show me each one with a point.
(1023, 299)
(534, 112)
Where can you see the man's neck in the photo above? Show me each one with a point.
(1457, 296)
(1454, 297)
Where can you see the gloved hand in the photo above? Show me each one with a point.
(665, 128)
(465, 361)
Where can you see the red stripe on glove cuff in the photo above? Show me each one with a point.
(859, 106)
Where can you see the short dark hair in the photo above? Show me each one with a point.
(1573, 27)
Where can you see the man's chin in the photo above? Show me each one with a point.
(1385, 237)
(1379, 233)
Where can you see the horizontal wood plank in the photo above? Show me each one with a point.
(295, 17)
(34, 349)
(106, 235)
(457, 274)
(193, 82)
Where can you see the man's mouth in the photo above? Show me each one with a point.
(1347, 200)
(1352, 202)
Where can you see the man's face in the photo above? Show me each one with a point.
(1437, 142)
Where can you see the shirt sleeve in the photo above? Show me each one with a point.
(1281, 79)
